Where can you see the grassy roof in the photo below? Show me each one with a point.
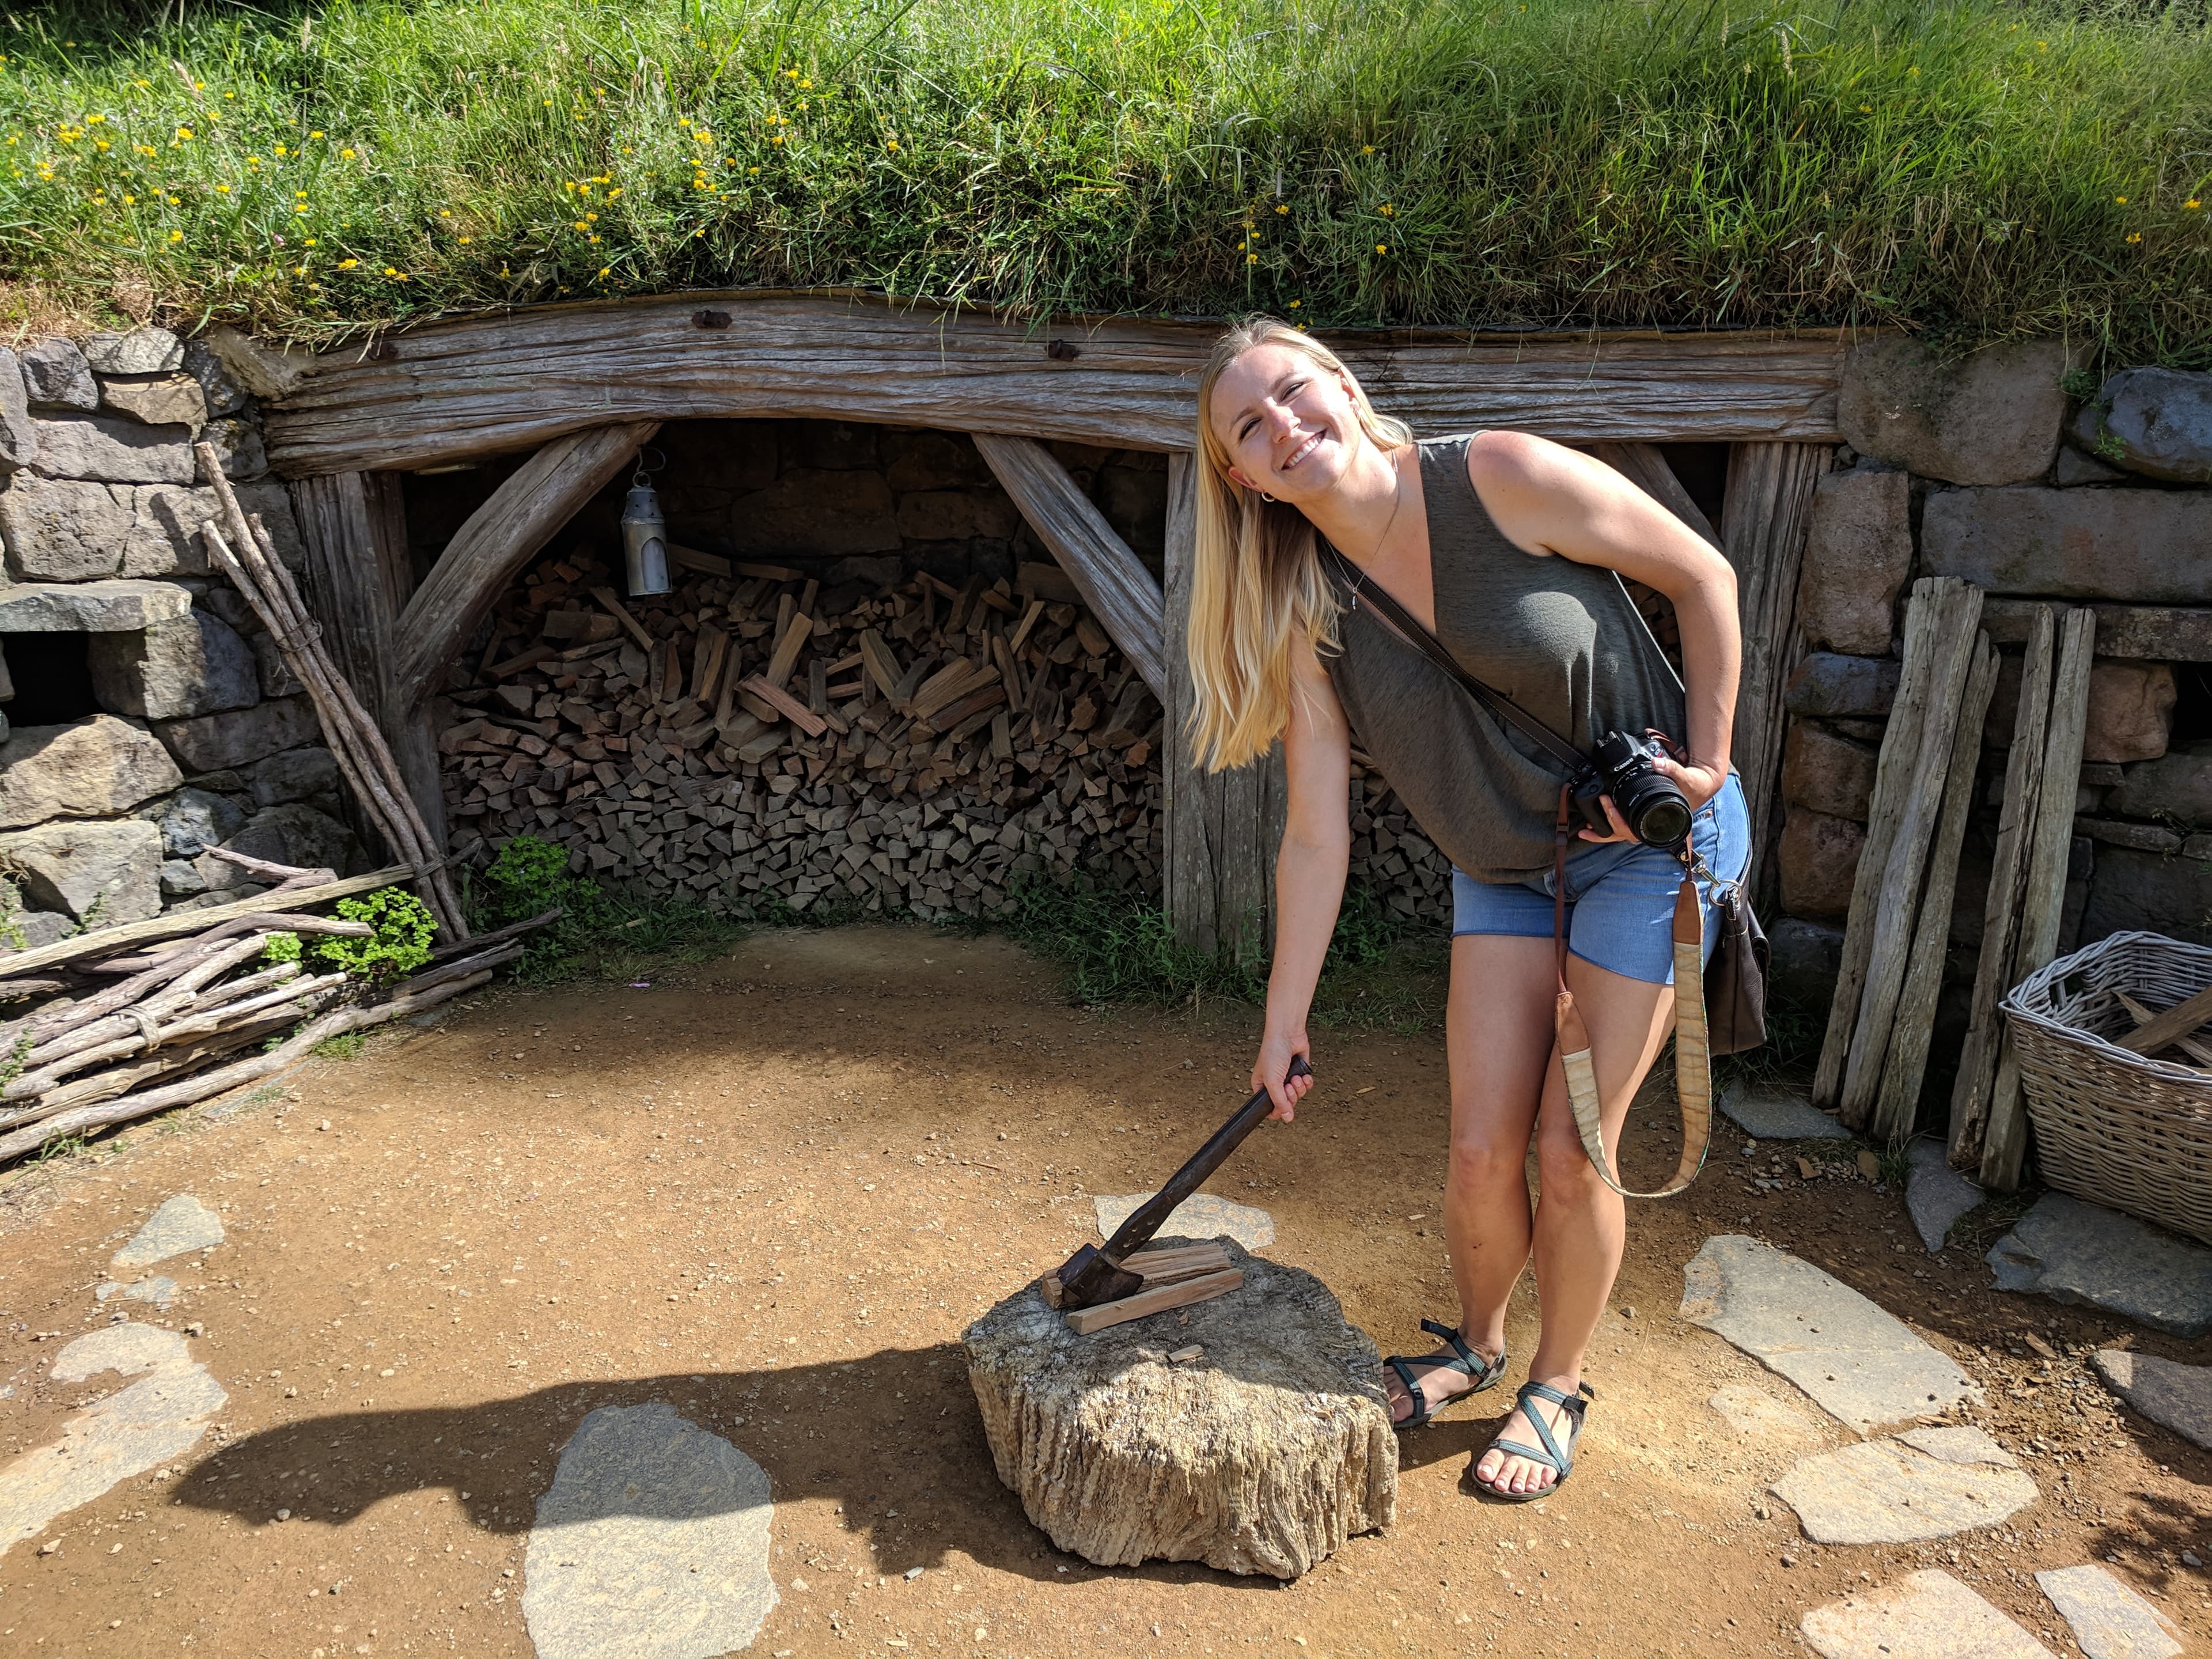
(1973, 168)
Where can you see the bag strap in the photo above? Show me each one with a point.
(1694, 1075)
(1408, 627)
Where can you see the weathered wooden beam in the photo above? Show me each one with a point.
(500, 538)
(1222, 828)
(482, 385)
(1764, 519)
(1112, 580)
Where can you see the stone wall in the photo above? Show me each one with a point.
(1988, 469)
(144, 716)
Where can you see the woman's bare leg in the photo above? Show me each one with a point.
(1498, 1039)
(1580, 1221)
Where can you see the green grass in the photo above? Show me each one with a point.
(1974, 168)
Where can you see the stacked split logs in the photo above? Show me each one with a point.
(1875, 1054)
(759, 734)
(135, 1020)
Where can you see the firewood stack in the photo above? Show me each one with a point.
(759, 734)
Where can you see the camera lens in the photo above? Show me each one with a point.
(1664, 820)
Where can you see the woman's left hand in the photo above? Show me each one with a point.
(1699, 783)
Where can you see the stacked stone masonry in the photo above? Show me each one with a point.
(2015, 471)
(144, 716)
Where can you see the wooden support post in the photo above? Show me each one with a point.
(1112, 580)
(2004, 1143)
(359, 577)
(1897, 916)
(1896, 1107)
(500, 538)
(1223, 828)
(1892, 784)
(1978, 1063)
(1764, 518)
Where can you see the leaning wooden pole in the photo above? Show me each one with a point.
(2004, 1143)
(356, 742)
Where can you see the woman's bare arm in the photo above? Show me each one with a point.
(1549, 499)
(1309, 873)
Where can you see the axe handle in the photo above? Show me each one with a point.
(1145, 1220)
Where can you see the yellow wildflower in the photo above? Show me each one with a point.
(1382, 247)
(1281, 208)
(2192, 205)
(2134, 236)
(1367, 149)
(314, 135)
(345, 155)
(891, 144)
(176, 235)
(1294, 304)
(1387, 211)
(2122, 200)
(222, 190)
(184, 133)
(348, 264)
(465, 240)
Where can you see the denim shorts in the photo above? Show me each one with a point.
(1620, 895)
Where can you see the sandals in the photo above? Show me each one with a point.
(1471, 1363)
(1549, 1455)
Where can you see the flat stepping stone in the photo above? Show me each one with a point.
(182, 1224)
(2108, 1620)
(155, 1419)
(2173, 1395)
(1758, 1415)
(1766, 1112)
(1924, 1615)
(2090, 1256)
(651, 1542)
(1860, 1364)
(1261, 1454)
(1201, 1215)
(1936, 1195)
(1928, 1483)
(158, 1290)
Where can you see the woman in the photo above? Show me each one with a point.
(1505, 546)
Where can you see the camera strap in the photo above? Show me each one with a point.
(1693, 1080)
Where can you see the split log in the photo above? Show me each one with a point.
(1893, 775)
(1112, 580)
(1972, 1090)
(1178, 1292)
(1898, 915)
(1896, 1107)
(2004, 1142)
(461, 390)
(2174, 1026)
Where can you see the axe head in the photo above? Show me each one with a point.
(1090, 1276)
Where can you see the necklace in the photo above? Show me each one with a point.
(1397, 501)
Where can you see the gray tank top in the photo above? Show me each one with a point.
(1561, 639)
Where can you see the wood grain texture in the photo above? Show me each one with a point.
(1765, 515)
(2043, 897)
(1899, 916)
(1113, 581)
(1978, 1061)
(1892, 783)
(498, 539)
(483, 385)
(1896, 1107)
(1222, 829)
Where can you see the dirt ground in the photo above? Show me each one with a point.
(771, 1191)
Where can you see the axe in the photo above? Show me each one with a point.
(1093, 1275)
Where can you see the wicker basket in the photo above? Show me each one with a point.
(2113, 1126)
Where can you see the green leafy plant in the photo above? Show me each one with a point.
(11, 910)
(2079, 384)
(346, 1045)
(281, 947)
(399, 945)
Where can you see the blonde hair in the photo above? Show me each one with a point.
(1257, 582)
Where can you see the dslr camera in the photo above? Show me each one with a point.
(1657, 811)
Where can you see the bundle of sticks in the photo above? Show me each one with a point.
(362, 753)
(135, 1020)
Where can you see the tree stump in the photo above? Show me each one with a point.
(1262, 1455)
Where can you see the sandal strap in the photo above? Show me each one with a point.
(1570, 1406)
(1470, 1359)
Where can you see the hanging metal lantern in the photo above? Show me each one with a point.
(645, 538)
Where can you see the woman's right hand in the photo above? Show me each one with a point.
(1277, 1050)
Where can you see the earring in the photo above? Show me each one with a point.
(1265, 497)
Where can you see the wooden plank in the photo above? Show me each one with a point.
(111, 941)
(1897, 913)
(493, 384)
(1113, 581)
(1223, 830)
(1085, 1321)
(785, 657)
(500, 538)
(1978, 1061)
(1644, 466)
(1893, 772)
(784, 705)
(1767, 511)
(2004, 1141)
(1896, 1107)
